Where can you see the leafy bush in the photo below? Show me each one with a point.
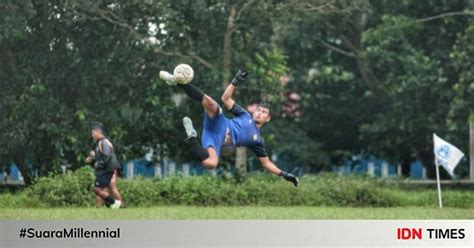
(75, 189)
(20, 200)
(71, 189)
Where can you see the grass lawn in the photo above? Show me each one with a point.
(243, 212)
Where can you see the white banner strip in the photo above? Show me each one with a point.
(323, 233)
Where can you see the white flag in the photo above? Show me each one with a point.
(446, 154)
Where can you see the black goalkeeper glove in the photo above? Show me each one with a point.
(240, 76)
(290, 177)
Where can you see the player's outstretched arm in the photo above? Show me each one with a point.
(271, 167)
(238, 79)
(227, 97)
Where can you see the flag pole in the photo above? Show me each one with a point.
(439, 184)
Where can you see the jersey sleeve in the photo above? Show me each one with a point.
(106, 147)
(237, 110)
(106, 152)
(259, 150)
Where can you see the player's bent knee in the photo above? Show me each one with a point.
(210, 163)
(208, 100)
(209, 104)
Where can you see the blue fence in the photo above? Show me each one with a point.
(379, 168)
(143, 168)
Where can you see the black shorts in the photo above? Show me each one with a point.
(103, 180)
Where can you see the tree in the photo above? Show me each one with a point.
(398, 87)
(69, 63)
(461, 109)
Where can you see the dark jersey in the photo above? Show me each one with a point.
(244, 131)
(105, 159)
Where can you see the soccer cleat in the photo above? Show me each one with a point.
(169, 78)
(188, 127)
(116, 204)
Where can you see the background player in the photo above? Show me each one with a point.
(105, 164)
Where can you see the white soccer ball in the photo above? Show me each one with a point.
(183, 74)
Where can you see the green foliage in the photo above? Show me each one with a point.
(66, 64)
(74, 189)
(415, 83)
(9, 200)
(300, 151)
(401, 86)
(264, 84)
(374, 76)
(462, 105)
(71, 189)
(329, 98)
(419, 88)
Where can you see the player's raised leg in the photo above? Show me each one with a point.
(208, 157)
(210, 105)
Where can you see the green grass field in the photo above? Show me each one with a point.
(245, 212)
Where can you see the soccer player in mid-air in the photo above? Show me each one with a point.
(242, 130)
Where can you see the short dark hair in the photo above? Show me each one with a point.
(267, 106)
(97, 125)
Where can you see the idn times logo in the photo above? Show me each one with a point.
(405, 233)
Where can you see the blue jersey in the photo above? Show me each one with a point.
(243, 131)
